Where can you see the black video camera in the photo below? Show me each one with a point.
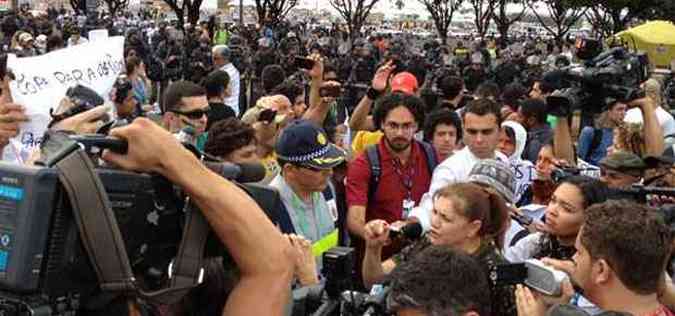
(45, 266)
(614, 74)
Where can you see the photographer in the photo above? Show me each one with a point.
(654, 91)
(259, 250)
(651, 131)
(621, 253)
(595, 141)
(564, 215)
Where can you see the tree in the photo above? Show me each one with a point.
(503, 20)
(441, 12)
(562, 14)
(79, 6)
(399, 4)
(355, 13)
(483, 10)
(272, 12)
(612, 16)
(601, 21)
(181, 7)
(661, 10)
(114, 6)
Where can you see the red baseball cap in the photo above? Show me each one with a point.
(404, 82)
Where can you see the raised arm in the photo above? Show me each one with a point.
(262, 254)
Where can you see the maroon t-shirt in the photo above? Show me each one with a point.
(388, 199)
(391, 191)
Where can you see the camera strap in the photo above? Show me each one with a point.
(96, 222)
(103, 241)
(187, 270)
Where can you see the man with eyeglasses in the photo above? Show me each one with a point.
(186, 112)
(404, 175)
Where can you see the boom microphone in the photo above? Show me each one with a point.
(242, 173)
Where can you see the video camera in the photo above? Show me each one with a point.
(615, 74)
(53, 234)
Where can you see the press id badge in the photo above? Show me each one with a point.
(408, 206)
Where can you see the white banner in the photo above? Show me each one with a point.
(42, 81)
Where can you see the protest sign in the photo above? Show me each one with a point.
(42, 81)
(98, 35)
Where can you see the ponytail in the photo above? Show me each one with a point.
(496, 219)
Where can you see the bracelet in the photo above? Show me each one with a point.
(373, 94)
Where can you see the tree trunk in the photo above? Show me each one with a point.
(503, 29)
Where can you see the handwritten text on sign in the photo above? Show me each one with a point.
(42, 81)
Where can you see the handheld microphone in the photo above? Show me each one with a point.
(410, 231)
(242, 173)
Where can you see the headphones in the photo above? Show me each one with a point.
(122, 88)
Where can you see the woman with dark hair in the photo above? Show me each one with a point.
(466, 217)
(564, 216)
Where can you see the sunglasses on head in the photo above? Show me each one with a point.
(195, 114)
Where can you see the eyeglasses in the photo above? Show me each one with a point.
(195, 114)
(407, 127)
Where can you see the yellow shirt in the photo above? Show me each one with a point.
(364, 139)
(272, 168)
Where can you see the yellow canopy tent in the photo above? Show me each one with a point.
(656, 38)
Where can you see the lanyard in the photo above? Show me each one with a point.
(407, 177)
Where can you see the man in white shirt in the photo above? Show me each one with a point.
(482, 122)
(221, 60)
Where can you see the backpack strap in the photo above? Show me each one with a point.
(430, 154)
(595, 143)
(373, 155)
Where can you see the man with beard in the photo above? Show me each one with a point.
(405, 173)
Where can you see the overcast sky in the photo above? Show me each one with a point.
(385, 6)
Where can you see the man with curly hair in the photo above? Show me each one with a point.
(232, 140)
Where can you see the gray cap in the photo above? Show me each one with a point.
(497, 175)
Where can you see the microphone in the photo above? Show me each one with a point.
(186, 135)
(410, 231)
(242, 173)
(376, 302)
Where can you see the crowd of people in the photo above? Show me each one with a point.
(365, 137)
